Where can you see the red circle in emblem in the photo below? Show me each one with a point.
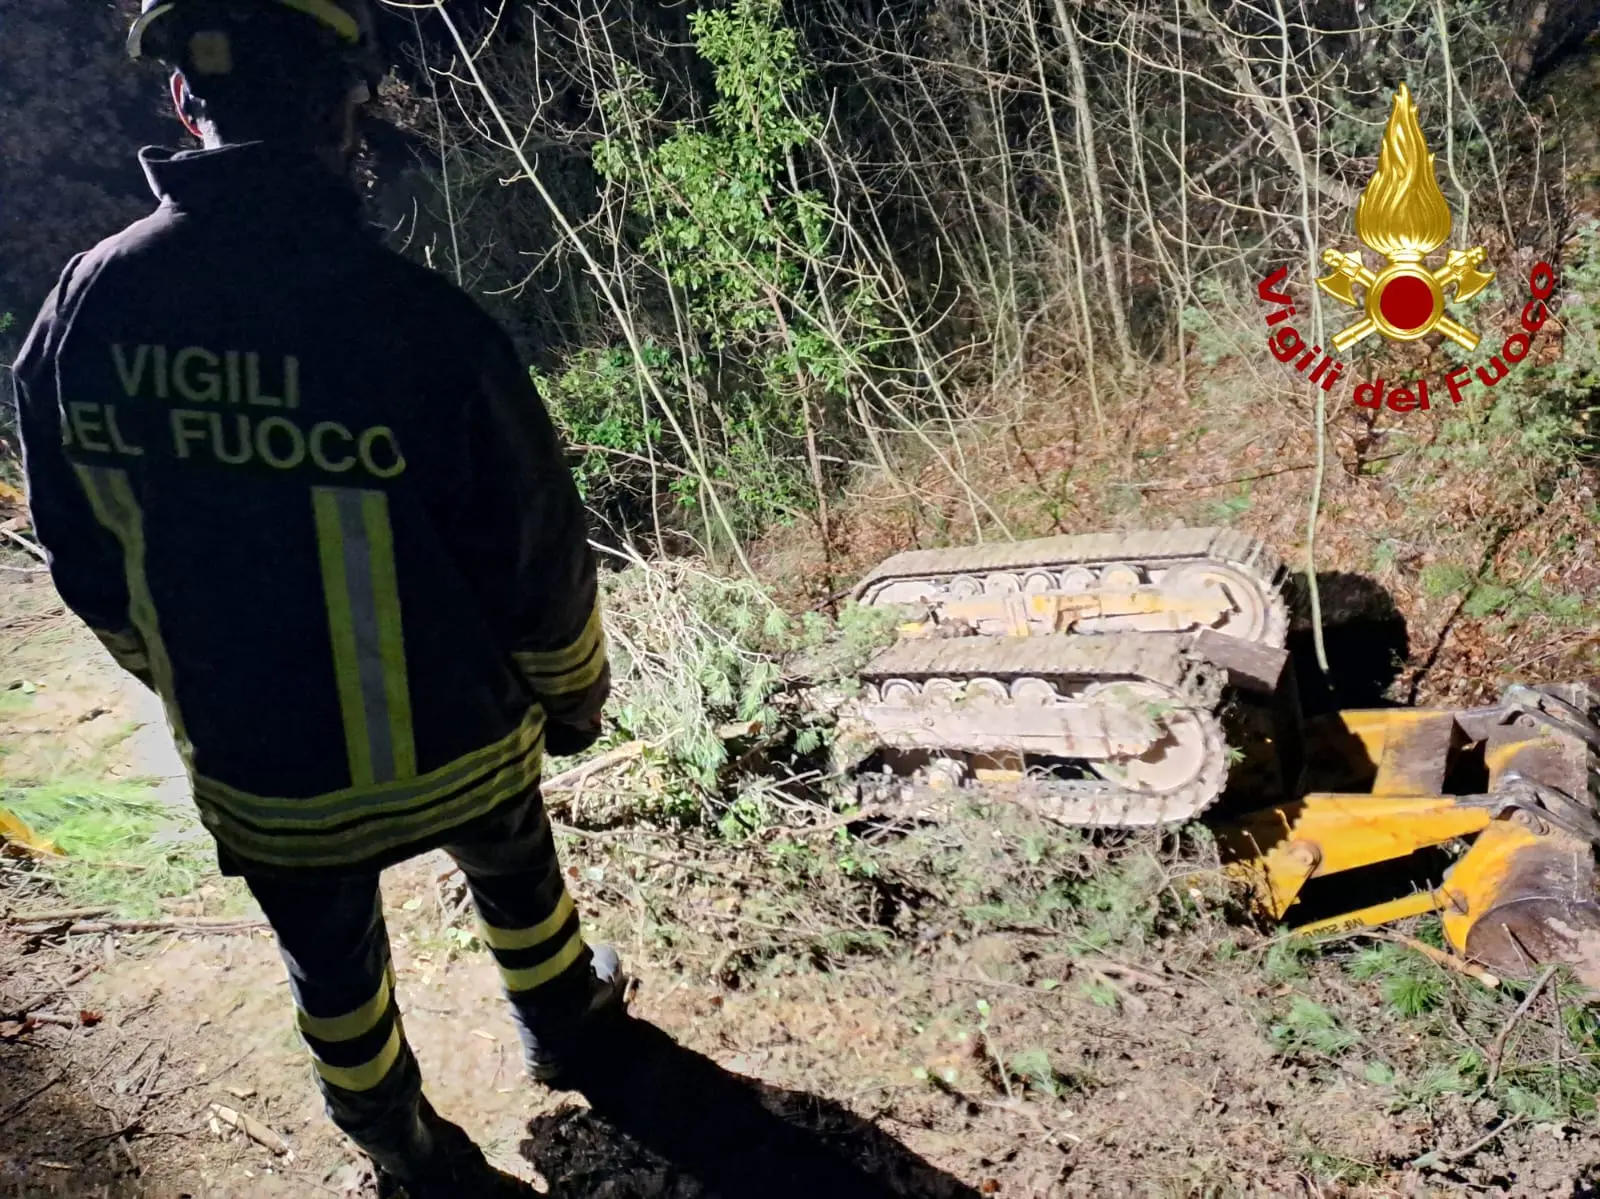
(1406, 303)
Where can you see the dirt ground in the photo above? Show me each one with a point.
(977, 1005)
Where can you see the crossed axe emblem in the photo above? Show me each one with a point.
(1402, 320)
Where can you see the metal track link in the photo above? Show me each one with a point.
(1064, 658)
(1160, 658)
(1145, 549)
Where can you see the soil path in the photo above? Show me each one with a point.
(172, 1023)
(1095, 1058)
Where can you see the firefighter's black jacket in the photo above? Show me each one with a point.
(305, 489)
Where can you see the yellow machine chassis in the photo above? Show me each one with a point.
(1522, 891)
(1023, 614)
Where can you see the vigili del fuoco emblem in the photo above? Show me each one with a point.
(1403, 215)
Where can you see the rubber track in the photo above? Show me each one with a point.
(1156, 657)
(1149, 547)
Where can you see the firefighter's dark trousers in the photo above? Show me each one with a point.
(333, 939)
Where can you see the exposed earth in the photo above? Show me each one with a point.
(971, 1006)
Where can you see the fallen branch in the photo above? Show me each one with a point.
(568, 780)
(1125, 997)
(50, 1018)
(1498, 1047)
(118, 1135)
(1437, 1158)
(59, 988)
(207, 924)
(710, 870)
(870, 812)
(1130, 973)
(1202, 484)
(54, 916)
(254, 1129)
(12, 535)
(1448, 960)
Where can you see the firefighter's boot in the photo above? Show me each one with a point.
(568, 1022)
(444, 1163)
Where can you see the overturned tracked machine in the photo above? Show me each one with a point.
(1119, 679)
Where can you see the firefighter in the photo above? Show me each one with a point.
(304, 490)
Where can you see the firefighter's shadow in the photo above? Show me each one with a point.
(665, 1122)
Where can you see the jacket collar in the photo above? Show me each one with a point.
(254, 179)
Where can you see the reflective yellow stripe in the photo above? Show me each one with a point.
(369, 1073)
(116, 508)
(352, 1024)
(508, 776)
(527, 938)
(537, 976)
(557, 660)
(126, 642)
(391, 636)
(572, 681)
(321, 811)
(341, 630)
(358, 844)
(330, 14)
(356, 547)
(349, 800)
(126, 649)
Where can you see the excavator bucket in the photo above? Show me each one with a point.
(1529, 894)
(1395, 788)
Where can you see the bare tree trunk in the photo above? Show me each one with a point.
(1091, 175)
(1085, 316)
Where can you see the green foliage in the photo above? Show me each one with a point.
(1410, 984)
(701, 662)
(1440, 579)
(1309, 1025)
(718, 219)
(1099, 992)
(833, 651)
(1228, 510)
(1531, 1105)
(1286, 959)
(1522, 601)
(1122, 906)
(1424, 1041)
(1214, 336)
(599, 401)
(1336, 1169)
(1436, 1081)
(1379, 1073)
(1488, 596)
(1035, 1070)
(1549, 392)
(751, 265)
(1412, 994)
(1544, 408)
(123, 847)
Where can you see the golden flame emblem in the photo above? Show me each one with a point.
(1403, 215)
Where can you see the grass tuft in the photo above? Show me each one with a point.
(122, 846)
